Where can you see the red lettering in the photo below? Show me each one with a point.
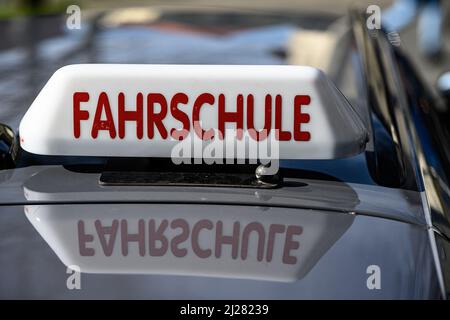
(180, 116)
(232, 240)
(300, 118)
(78, 114)
(199, 102)
(202, 224)
(84, 238)
(279, 133)
(259, 229)
(157, 235)
(259, 135)
(273, 230)
(180, 238)
(107, 246)
(230, 116)
(136, 237)
(291, 244)
(103, 119)
(108, 124)
(131, 115)
(156, 118)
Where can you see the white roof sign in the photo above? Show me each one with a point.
(145, 110)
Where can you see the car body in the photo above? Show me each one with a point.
(324, 232)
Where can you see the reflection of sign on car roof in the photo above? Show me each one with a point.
(205, 240)
(256, 241)
(145, 110)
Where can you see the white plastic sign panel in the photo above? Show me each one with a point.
(146, 110)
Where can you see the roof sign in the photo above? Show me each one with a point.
(147, 110)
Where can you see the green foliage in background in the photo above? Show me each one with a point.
(14, 9)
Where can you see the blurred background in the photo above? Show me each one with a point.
(39, 36)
